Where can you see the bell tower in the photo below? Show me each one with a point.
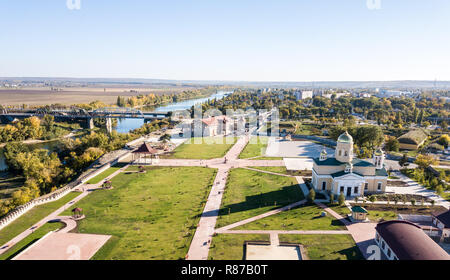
(344, 148)
(378, 159)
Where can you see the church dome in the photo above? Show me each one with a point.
(345, 138)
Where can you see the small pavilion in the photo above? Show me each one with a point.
(145, 154)
(77, 213)
(359, 214)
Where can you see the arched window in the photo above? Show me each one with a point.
(346, 154)
(340, 152)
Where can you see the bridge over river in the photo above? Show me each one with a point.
(87, 117)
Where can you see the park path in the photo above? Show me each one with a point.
(201, 242)
(362, 233)
(267, 172)
(85, 189)
(299, 232)
(417, 189)
(262, 216)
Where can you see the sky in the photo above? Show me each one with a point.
(240, 40)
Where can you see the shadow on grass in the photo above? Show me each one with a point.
(22, 249)
(283, 197)
(352, 253)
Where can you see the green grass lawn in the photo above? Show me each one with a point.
(256, 147)
(376, 216)
(341, 210)
(206, 149)
(29, 240)
(326, 247)
(302, 218)
(150, 215)
(446, 196)
(275, 169)
(102, 176)
(32, 217)
(250, 193)
(231, 246)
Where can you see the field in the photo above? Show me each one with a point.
(150, 215)
(231, 246)
(250, 193)
(326, 247)
(29, 240)
(207, 148)
(32, 217)
(72, 95)
(302, 218)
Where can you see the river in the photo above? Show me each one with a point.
(126, 125)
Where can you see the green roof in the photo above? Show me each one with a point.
(345, 138)
(359, 209)
(361, 163)
(381, 172)
(342, 173)
(335, 162)
(329, 161)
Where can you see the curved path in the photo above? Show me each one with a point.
(85, 189)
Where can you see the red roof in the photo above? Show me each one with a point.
(145, 149)
(214, 120)
(209, 121)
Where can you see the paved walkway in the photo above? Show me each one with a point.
(362, 233)
(267, 172)
(70, 223)
(417, 189)
(277, 232)
(201, 242)
(86, 190)
(262, 216)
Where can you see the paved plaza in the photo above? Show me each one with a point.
(295, 149)
(64, 246)
(269, 252)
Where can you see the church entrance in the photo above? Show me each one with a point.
(349, 192)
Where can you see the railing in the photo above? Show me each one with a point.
(19, 211)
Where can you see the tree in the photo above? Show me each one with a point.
(440, 190)
(341, 199)
(311, 196)
(444, 140)
(424, 161)
(165, 138)
(444, 125)
(392, 144)
(413, 202)
(372, 199)
(420, 118)
(48, 122)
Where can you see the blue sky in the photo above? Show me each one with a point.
(257, 40)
